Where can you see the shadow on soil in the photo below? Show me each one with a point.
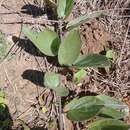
(34, 76)
(38, 128)
(27, 45)
(33, 10)
(37, 11)
(5, 119)
(87, 93)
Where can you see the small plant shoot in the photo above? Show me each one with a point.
(64, 8)
(65, 44)
(52, 81)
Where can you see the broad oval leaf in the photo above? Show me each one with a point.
(64, 8)
(92, 60)
(69, 49)
(52, 81)
(113, 107)
(108, 124)
(82, 19)
(47, 41)
(84, 113)
(83, 108)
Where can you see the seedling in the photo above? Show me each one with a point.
(67, 48)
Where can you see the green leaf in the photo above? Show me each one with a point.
(3, 110)
(52, 81)
(92, 60)
(110, 54)
(2, 100)
(79, 75)
(2, 94)
(83, 108)
(64, 8)
(3, 46)
(111, 113)
(61, 91)
(70, 48)
(70, 105)
(108, 124)
(47, 41)
(82, 19)
(111, 102)
(113, 107)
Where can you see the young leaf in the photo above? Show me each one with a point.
(113, 107)
(83, 108)
(47, 41)
(52, 81)
(61, 91)
(79, 75)
(92, 60)
(69, 49)
(64, 8)
(111, 54)
(108, 124)
(82, 19)
(61, 8)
